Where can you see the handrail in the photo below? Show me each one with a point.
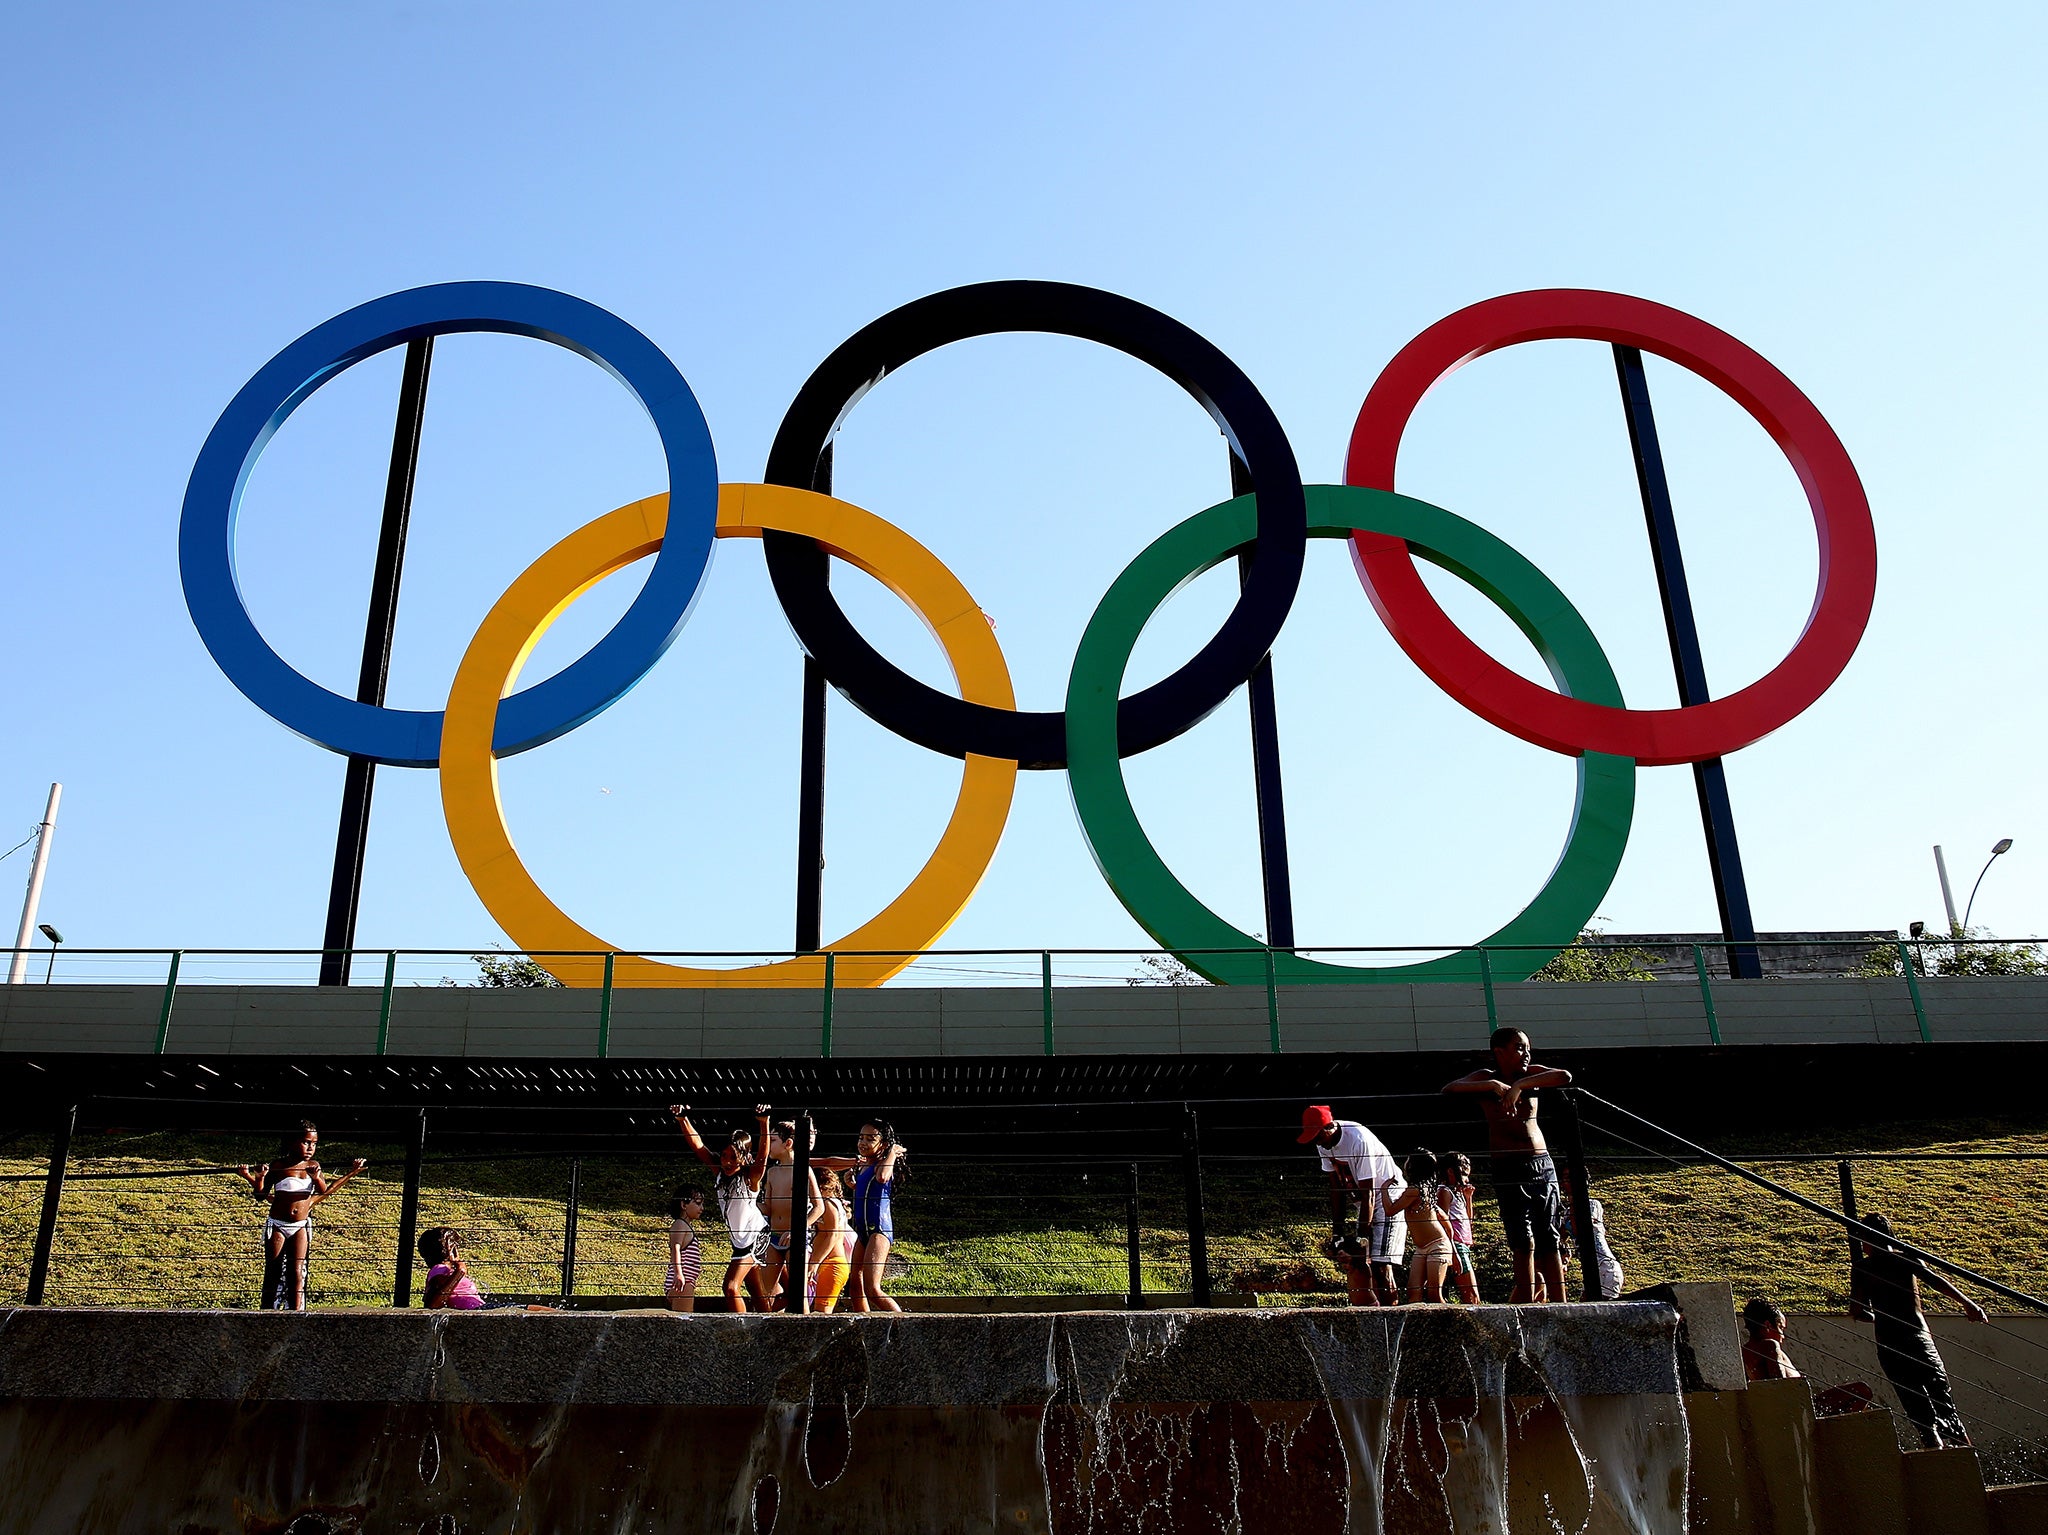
(1848, 1222)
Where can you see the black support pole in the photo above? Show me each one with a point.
(1710, 778)
(53, 1196)
(409, 1210)
(1568, 1129)
(1135, 1300)
(569, 1227)
(352, 837)
(810, 793)
(796, 1300)
(1198, 1224)
(1273, 870)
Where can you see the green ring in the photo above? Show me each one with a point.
(1166, 908)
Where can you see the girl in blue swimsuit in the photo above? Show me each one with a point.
(876, 1172)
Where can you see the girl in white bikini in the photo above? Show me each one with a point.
(292, 1183)
(1427, 1228)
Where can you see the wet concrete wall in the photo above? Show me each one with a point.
(1421, 1419)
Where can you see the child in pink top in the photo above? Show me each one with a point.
(449, 1286)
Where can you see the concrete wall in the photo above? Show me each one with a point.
(993, 1020)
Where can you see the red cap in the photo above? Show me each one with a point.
(1315, 1119)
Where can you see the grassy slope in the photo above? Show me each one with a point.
(193, 1241)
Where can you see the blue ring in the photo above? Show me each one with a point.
(598, 679)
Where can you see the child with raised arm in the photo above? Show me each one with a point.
(1426, 1228)
(740, 1168)
(778, 1203)
(1524, 1178)
(877, 1170)
(293, 1184)
(1454, 1199)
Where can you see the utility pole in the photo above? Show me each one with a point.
(17, 971)
(1948, 899)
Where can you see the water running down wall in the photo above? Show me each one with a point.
(1564, 1418)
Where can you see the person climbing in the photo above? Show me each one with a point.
(293, 1184)
(740, 1168)
(1363, 1172)
(1763, 1352)
(1884, 1289)
(1524, 1178)
(1595, 1256)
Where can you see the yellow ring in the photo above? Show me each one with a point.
(490, 669)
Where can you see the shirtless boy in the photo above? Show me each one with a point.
(1524, 1178)
(775, 1200)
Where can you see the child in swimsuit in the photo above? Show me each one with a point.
(831, 1245)
(1432, 1256)
(740, 1169)
(1454, 1199)
(293, 1184)
(685, 1252)
(449, 1287)
(877, 1170)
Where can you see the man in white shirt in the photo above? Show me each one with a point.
(1364, 1172)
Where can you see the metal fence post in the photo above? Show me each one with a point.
(796, 1271)
(1135, 1299)
(825, 1012)
(409, 1210)
(1699, 963)
(569, 1227)
(1198, 1224)
(1486, 980)
(1045, 992)
(1272, 1001)
(1913, 985)
(604, 1009)
(384, 1007)
(1572, 1134)
(53, 1195)
(1845, 1171)
(163, 1017)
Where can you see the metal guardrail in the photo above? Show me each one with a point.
(1046, 969)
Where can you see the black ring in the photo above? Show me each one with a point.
(939, 721)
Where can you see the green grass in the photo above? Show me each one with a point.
(1036, 1229)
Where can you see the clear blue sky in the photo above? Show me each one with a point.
(1854, 190)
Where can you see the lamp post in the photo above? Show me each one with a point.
(2003, 845)
(56, 942)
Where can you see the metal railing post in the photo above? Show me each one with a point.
(1913, 985)
(53, 1196)
(384, 1007)
(1045, 993)
(795, 1299)
(1486, 981)
(1134, 1299)
(409, 1210)
(1272, 1001)
(163, 1017)
(1699, 963)
(825, 1012)
(1198, 1223)
(604, 1009)
(569, 1227)
(1571, 1131)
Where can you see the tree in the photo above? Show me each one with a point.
(1966, 951)
(1163, 970)
(503, 970)
(1589, 959)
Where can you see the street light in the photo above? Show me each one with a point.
(56, 942)
(2004, 845)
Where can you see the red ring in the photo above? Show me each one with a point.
(1653, 737)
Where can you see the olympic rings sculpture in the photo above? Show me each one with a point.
(801, 528)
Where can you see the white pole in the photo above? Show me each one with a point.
(1947, 897)
(17, 972)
